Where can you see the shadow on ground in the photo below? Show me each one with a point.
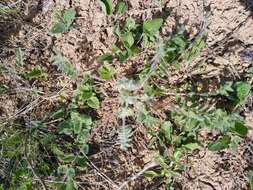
(248, 4)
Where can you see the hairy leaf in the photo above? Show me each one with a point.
(124, 137)
(64, 65)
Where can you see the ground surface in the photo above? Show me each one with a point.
(230, 32)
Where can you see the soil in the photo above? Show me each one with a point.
(230, 33)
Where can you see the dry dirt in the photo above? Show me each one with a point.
(230, 32)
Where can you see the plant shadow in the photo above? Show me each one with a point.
(248, 5)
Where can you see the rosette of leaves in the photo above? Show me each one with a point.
(85, 95)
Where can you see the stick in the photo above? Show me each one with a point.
(134, 177)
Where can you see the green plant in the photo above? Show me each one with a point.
(36, 73)
(150, 30)
(63, 20)
(106, 6)
(85, 95)
(121, 8)
(64, 65)
(106, 72)
(250, 177)
(132, 106)
(19, 57)
(131, 36)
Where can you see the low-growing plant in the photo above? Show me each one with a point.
(63, 20)
(36, 73)
(64, 65)
(132, 36)
(106, 72)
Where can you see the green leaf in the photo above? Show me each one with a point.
(167, 130)
(58, 28)
(178, 154)
(242, 90)
(105, 57)
(3, 89)
(116, 29)
(67, 158)
(127, 39)
(226, 89)
(81, 162)
(66, 127)
(151, 174)
(57, 15)
(145, 40)
(250, 177)
(69, 16)
(235, 141)
(70, 172)
(121, 8)
(62, 21)
(123, 56)
(152, 26)
(240, 129)
(79, 121)
(93, 102)
(106, 6)
(192, 146)
(64, 65)
(19, 57)
(180, 42)
(130, 25)
(84, 92)
(106, 72)
(220, 144)
(116, 49)
(36, 73)
(69, 185)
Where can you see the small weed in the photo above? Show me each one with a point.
(63, 20)
(106, 72)
(64, 65)
(36, 73)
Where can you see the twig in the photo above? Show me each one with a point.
(134, 177)
(208, 94)
(37, 176)
(102, 175)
